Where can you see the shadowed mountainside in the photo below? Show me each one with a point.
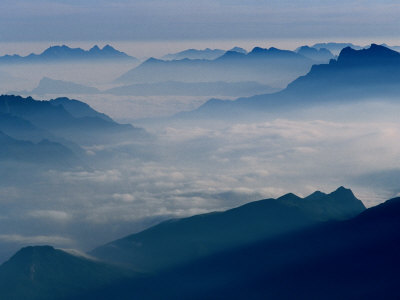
(177, 241)
(353, 259)
(43, 272)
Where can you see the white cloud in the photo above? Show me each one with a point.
(124, 197)
(55, 215)
(37, 239)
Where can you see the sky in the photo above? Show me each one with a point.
(133, 20)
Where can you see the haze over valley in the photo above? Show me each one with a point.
(167, 160)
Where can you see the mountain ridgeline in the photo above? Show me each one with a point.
(53, 132)
(356, 75)
(64, 53)
(182, 240)
(268, 66)
(324, 246)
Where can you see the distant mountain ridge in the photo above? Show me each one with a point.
(207, 53)
(262, 65)
(63, 53)
(320, 55)
(67, 119)
(354, 76)
(44, 153)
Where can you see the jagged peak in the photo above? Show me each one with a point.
(289, 196)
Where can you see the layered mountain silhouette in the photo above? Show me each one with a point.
(356, 75)
(42, 153)
(351, 259)
(352, 256)
(321, 55)
(51, 86)
(64, 53)
(193, 89)
(207, 53)
(335, 48)
(43, 272)
(67, 119)
(178, 241)
(268, 66)
(48, 86)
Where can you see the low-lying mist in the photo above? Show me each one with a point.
(188, 168)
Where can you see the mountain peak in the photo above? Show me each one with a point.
(374, 55)
(289, 196)
(316, 195)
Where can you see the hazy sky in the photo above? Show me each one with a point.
(84, 20)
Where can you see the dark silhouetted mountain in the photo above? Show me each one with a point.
(178, 241)
(351, 259)
(64, 53)
(321, 55)
(51, 86)
(43, 272)
(68, 119)
(270, 66)
(207, 53)
(45, 153)
(335, 48)
(357, 75)
(395, 48)
(193, 89)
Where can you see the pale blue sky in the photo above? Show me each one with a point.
(80, 20)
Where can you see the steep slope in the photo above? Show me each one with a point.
(43, 272)
(353, 259)
(178, 241)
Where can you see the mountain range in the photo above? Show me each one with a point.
(44, 153)
(207, 53)
(268, 66)
(64, 53)
(356, 75)
(48, 86)
(52, 133)
(326, 246)
(178, 241)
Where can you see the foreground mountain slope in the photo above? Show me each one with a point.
(43, 272)
(353, 259)
(178, 241)
(356, 75)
